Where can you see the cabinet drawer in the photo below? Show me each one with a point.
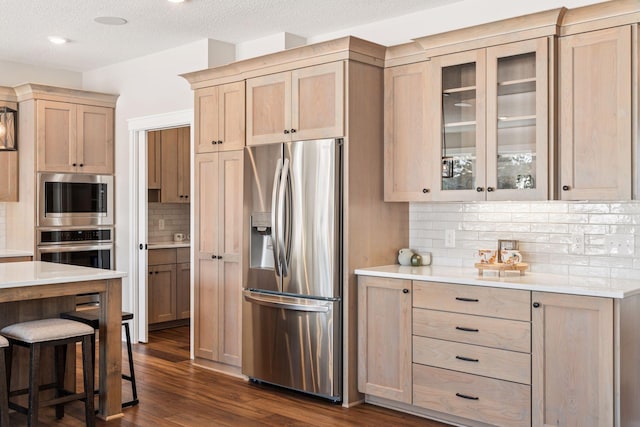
(182, 255)
(512, 335)
(495, 402)
(480, 300)
(161, 256)
(473, 359)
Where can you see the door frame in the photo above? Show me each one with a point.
(138, 128)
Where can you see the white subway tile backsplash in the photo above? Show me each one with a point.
(543, 230)
(176, 220)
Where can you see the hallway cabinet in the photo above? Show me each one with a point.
(176, 165)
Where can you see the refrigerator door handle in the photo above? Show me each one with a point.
(274, 223)
(278, 303)
(284, 267)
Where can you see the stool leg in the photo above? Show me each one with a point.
(132, 374)
(87, 375)
(34, 389)
(60, 369)
(4, 394)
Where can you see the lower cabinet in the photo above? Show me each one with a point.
(476, 355)
(218, 259)
(384, 338)
(168, 287)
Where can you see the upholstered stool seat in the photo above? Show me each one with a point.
(91, 317)
(56, 333)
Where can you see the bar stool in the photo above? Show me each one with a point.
(56, 333)
(91, 317)
(4, 396)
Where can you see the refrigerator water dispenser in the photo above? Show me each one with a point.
(261, 247)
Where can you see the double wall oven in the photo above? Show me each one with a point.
(75, 219)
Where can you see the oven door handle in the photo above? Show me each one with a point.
(73, 248)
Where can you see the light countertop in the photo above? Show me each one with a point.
(34, 273)
(590, 286)
(9, 253)
(169, 245)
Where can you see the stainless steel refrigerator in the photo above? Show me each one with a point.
(292, 317)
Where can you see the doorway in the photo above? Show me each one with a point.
(139, 128)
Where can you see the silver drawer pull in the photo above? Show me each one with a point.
(462, 328)
(467, 359)
(464, 396)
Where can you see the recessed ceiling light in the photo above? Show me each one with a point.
(176, 1)
(110, 20)
(57, 40)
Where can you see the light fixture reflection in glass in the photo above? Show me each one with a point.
(57, 40)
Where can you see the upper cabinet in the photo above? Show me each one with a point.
(176, 170)
(220, 118)
(74, 137)
(407, 148)
(490, 116)
(306, 103)
(596, 122)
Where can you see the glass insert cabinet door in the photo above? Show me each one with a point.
(458, 103)
(517, 121)
(490, 114)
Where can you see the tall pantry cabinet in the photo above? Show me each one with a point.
(328, 90)
(218, 223)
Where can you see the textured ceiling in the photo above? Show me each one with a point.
(156, 25)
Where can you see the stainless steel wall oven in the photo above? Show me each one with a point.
(84, 247)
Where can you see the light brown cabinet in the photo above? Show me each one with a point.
(384, 338)
(573, 360)
(306, 103)
(407, 148)
(168, 288)
(220, 118)
(176, 169)
(9, 176)
(154, 160)
(489, 111)
(74, 138)
(596, 122)
(218, 261)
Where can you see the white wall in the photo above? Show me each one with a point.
(13, 74)
(462, 14)
(269, 44)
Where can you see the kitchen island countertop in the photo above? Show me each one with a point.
(33, 273)
(11, 253)
(576, 285)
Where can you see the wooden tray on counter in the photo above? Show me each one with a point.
(500, 267)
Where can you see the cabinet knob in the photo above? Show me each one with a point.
(405, 291)
(536, 304)
(565, 188)
(219, 142)
(219, 256)
(214, 142)
(490, 189)
(213, 257)
(186, 196)
(81, 164)
(479, 189)
(286, 131)
(74, 164)
(293, 131)
(425, 190)
(181, 196)
(151, 272)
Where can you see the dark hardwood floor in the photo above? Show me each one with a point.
(173, 392)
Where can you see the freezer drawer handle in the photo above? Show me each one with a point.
(467, 359)
(467, 299)
(465, 329)
(466, 396)
(287, 306)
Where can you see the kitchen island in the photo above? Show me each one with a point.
(449, 344)
(34, 289)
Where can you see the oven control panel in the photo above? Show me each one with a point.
(75, 236)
